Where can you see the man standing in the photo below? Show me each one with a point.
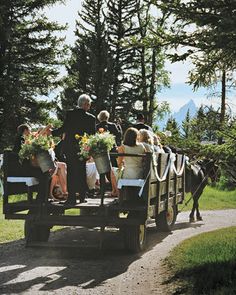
(140, 123)
(77, 121)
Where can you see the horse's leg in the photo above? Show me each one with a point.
(191, 215)
(197, 196)
(198, 215)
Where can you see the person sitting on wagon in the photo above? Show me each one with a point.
(132, 166)
(23, 131)
(158, 148)
(26, 168)
(58, 185)
(146, 138)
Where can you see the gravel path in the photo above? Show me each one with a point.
(63, 267)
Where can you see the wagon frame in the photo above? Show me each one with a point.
(156, 196)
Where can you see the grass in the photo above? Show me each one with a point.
(213, 199)
(206, 264)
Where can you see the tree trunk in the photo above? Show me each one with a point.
(223, 103)
(152, 88)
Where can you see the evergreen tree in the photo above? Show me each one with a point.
(206, 124)
(213, 30)
(172, 126)
(88, 69)
(121, 27)
(30, 53)
(210, 43)
(150, 74)
(186, 126)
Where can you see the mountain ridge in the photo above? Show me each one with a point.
(180, 115)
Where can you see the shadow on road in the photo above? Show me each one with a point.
(65, 261)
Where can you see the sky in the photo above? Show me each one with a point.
(177, 95)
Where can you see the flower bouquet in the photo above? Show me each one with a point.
(97, 146)
(37, 150)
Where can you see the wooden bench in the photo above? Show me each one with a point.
(16, 179)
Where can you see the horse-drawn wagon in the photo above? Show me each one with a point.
(156, 196)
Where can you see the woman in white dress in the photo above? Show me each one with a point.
(132, 166)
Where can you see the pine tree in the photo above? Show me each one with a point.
(121, 27)
(186, 126)
(210, 43)
(205, 124)
(30, 54)
(150, 74)
(173, 127)
(88, 69)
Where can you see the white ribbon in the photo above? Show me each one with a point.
(171, 166)
(181, 169)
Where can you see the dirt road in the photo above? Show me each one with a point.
(59, 269)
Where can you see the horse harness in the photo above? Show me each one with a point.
(198, 169)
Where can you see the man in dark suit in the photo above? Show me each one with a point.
(140, 123)
(77, 121)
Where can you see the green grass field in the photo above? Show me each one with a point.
(206, 264)
(212, 199)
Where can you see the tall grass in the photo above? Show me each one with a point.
(206, 264)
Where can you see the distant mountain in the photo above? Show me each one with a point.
(180, 115)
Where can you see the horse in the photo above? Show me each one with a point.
(197, 175)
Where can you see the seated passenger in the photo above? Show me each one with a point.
(27, 169)
(132, 166)
(146, 138)
(157, 144)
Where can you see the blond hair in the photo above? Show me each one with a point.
(145, 136)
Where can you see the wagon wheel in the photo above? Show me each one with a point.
(36, 233)
(165, 220)
(135, 237)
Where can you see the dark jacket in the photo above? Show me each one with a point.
(112, 128)
(18, 143)
(77, 121)
(141, 125)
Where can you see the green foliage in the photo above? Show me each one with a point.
(225, 154)
(30, 56)
(111, 62)
(207, 30)
(89, 69)
(209, 255)
(92, 145)
(34, 145)
(213, 29)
